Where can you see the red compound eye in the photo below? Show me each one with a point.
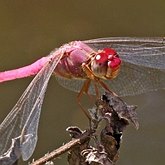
(114, 63)
(108, 55)
(101, 57)
(109, 51)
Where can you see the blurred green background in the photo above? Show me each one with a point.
(30, 29)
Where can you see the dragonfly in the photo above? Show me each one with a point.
(126, 65)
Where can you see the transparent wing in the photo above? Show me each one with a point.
(143, 66)
(24, 117)
(133, 80)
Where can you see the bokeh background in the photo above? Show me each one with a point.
(30, 29)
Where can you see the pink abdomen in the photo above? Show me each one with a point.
(26, 71)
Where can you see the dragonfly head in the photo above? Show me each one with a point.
(106, 64)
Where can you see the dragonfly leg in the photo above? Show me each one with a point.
(106, 87)
(83, 90)
(85, 87)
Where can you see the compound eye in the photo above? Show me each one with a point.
(109, 51)
(116, 62)
(101, 58)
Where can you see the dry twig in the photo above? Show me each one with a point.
(93, 147)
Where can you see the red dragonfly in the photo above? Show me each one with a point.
(82, 67)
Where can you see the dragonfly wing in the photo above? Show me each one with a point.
(148, 52)
(131, 81)
(134, 80)
(24, 117)
(76, 85)
(71, 84)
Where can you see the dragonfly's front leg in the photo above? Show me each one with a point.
(92, 77)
